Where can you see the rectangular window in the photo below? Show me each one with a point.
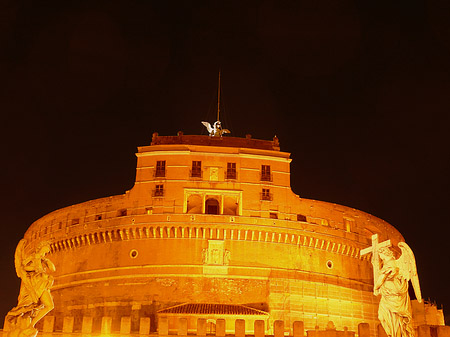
(159, 191)
(231, 171)
(265, 194)
(273, 215)
(160, 168)
(196, 171)
(349, 224)
(301, 217)
(324, 222)
(265, 173)
(122, 212)
(98, 217)
(75, 222)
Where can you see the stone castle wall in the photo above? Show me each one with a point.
(154, 246)
(296, 274)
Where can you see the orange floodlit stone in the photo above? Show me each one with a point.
(211, 237)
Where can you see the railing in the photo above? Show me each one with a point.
(196, 173)
(158, 193)
(159, 173)
(266, 196)
(266, 176)
(230, 174)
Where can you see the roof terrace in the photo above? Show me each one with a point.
(247, 142)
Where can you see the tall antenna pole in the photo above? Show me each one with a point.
(218, 99)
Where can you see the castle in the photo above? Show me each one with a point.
(210, 235)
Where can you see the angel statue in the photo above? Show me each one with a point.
(216, 130)
(391, 282)
(35, 300)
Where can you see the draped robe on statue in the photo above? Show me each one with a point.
(394, 311)
(34, 283)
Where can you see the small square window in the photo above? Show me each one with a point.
(273, 215)
(265, 194)
(301, 217)
(159, 190)
(75, 222)
(98, 217)
(122, 212)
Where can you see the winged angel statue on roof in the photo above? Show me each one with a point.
(391, 282)
(215, 130)
(35, 300)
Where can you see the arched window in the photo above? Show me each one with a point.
(230, 206)
(211, 206)
(210, 327)
(194, 204)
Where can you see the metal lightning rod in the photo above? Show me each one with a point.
(218, 99)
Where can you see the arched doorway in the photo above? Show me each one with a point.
(211, 206)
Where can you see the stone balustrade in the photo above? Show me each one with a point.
(259, 329)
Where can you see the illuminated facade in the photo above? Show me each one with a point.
(212, 221)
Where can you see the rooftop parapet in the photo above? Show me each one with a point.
(247, 142)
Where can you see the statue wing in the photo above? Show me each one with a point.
(208, 127)
(226, 131)
(19, 256)
(407, 268)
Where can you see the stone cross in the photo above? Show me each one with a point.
(374, 250)
(375, 245)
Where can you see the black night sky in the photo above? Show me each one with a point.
(357, 90)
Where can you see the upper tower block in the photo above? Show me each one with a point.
(213, 160)
(213, 175)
